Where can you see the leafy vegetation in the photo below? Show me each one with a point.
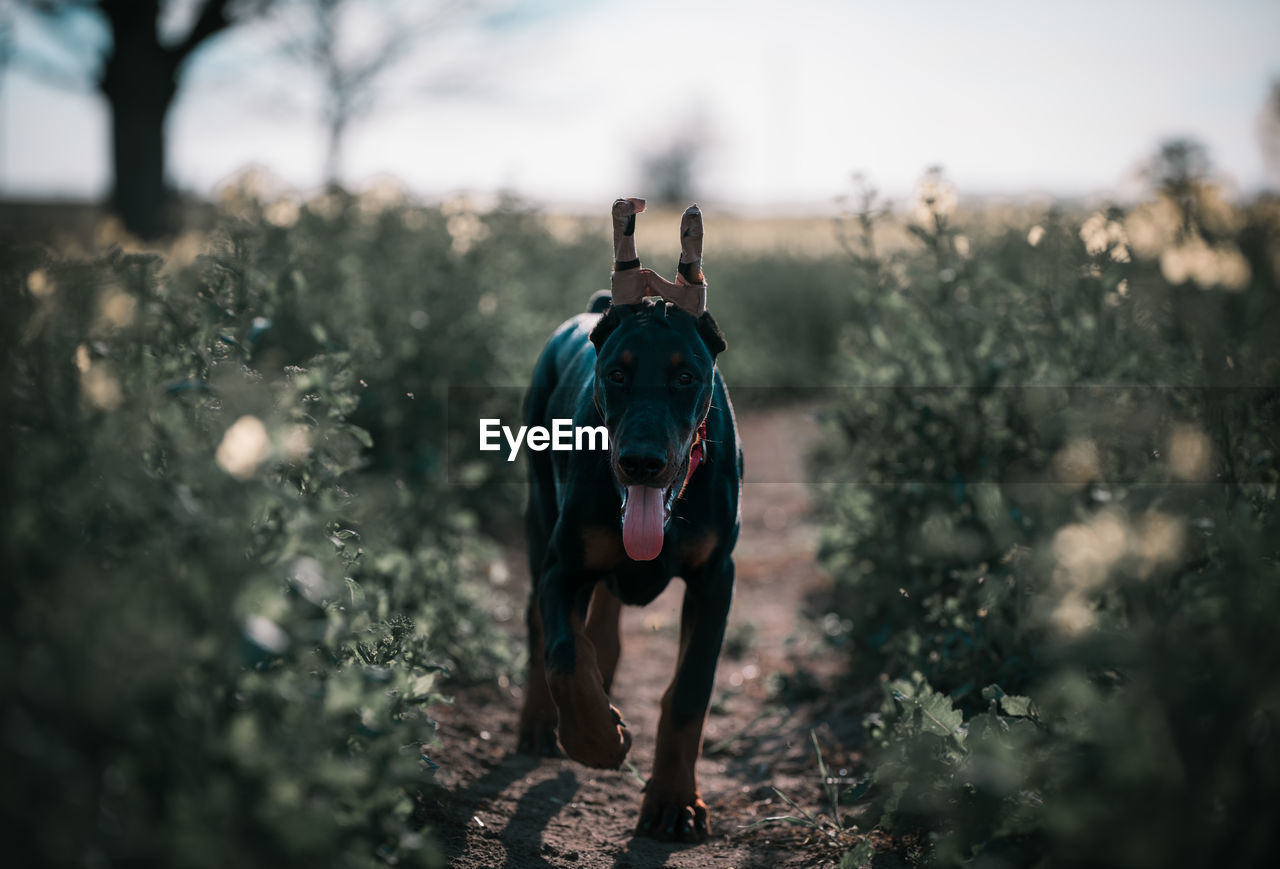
(1056, 540)
(240, 551)
(235, 567)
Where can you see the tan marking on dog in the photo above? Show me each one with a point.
(591, 731)
(601, 547)
(695, 552)
(677, 358)
(626, 357)
(673, 786)
(602, 630)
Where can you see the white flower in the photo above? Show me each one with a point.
(244, 447)
(1189, 451)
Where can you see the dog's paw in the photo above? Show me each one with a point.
(539, 739)
(602, 747)
(674, 820)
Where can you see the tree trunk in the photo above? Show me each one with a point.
(139, 82)
(138, 160)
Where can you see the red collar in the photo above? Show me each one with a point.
(695, 453)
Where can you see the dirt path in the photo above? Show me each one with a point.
(517, 812)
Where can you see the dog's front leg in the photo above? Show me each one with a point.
(673, 808)
(591, 731)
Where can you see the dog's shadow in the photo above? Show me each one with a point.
(521, 835)
(644, 851)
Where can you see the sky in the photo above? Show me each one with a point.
(561, 101)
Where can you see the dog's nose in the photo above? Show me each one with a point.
(642, 466)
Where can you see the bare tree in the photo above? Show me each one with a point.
(354, 47)
(1180, 170)
(667, 174)
(138, 73)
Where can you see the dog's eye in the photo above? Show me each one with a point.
(617, 376)
(684, 378)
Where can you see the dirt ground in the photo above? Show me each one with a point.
(772, 688)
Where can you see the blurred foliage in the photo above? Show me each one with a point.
(234, 563)
(1061, 439)
(783, 315)
(238, 554)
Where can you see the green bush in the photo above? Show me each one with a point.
(1060, 454)
(783, 315)
(234, 563)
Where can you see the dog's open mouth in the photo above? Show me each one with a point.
(645, 513)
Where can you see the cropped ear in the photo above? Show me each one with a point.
(604, 326)
(711, 334)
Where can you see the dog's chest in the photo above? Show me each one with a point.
(638, 583)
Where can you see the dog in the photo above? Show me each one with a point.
(611, 529)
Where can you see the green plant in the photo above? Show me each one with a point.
(1060, 462)
(227, 600)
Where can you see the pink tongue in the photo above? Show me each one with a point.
(642, 523)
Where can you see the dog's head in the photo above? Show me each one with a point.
(656, 350)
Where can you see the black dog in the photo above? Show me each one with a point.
(608, 529)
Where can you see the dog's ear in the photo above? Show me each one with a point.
(711, 334)
(604, 327)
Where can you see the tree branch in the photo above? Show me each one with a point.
(213, 19)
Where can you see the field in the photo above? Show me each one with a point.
(1008, 579)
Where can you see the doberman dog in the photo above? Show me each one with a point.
(607, 529)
